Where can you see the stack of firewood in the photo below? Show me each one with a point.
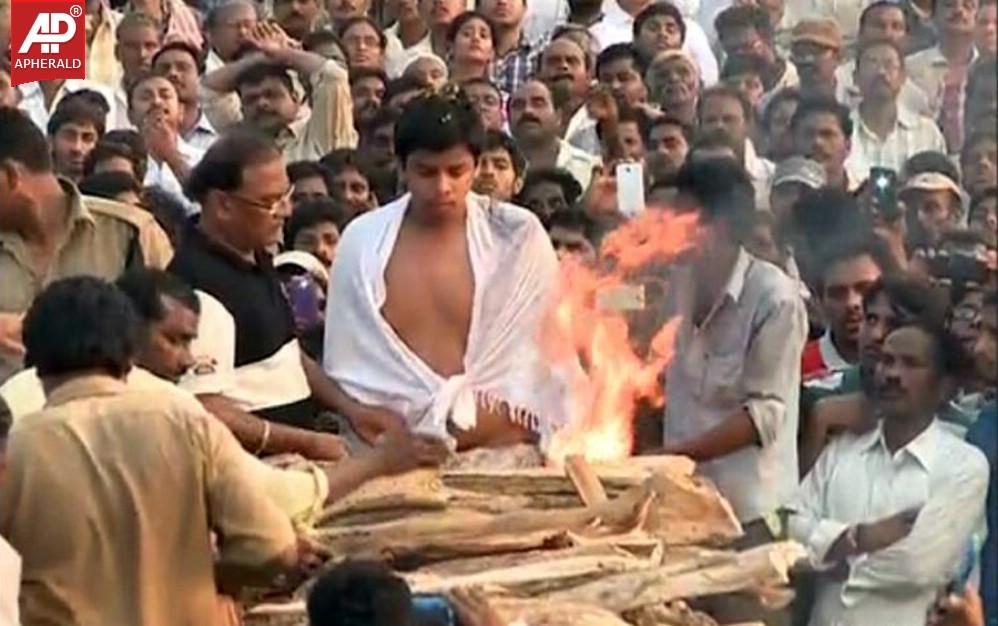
(601, 545)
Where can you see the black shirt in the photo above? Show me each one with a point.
(253, 295)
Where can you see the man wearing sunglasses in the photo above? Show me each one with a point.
(250, 371)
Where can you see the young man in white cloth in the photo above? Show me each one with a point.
(436, 299)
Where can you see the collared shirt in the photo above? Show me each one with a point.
(578, 163)
(33, 102)
(397, 56)
(858, 480)
(745, 355)
(111, 496)
(821, 358)
(103, 239)
(761, 170)
(326, 127)
(927, 69)
(911, 134)
(252, 355)
(617, 26)
(911, 97)
(299, 492)
(517, 66)
(160, 174)
(581, 132)
(202, 135)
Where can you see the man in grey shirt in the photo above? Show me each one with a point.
(734, 381)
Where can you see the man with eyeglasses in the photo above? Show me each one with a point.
(253, 367)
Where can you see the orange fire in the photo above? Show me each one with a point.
(591, 322)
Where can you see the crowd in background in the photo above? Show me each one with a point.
(196, 185)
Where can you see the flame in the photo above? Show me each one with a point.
(616, 377)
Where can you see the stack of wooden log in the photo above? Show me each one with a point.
(601, 545)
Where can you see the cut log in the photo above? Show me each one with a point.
(543, 613)
(586, 481)
(690, 510)
(766, 565)
(416, 490)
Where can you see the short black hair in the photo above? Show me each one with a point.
(689, 132)
(463, 19)
(94, 98)
(109, 185)
(708, 140)
(340, 160)
(846, 248)
(80, 324)
(170, 213)
(979, 199)
(744, 16)
(931, 161)
(125, 144)
(358, 74)
(881, 4)
(481, 80)
(498, 140)
(403, 84)
(823, 105)
(76, 112)
(663, 9)
(620, 51)
(363, 19)
(911, 297)
(948, 357)
(721, 189)
(298, 170)
(827, 214)
(783, 95)
(722, 90)
(879, 42)
(136, 82)
(981, 135)
(23, 142)
(435, 123)
(222, 166)
(570, 187)
(627, 114)
(573, 220)
(182, 46)
(308, 214)
(260, 72)
(360, 593)
(145, 288)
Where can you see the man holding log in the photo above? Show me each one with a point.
(436, 299)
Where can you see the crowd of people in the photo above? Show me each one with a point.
(332, 230)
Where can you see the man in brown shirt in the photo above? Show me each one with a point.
(111, 495)
(49, 231)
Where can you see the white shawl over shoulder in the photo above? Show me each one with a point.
(516, 272)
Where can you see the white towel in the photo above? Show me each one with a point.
(516, 272)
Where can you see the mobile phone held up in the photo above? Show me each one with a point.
(432, 609)
(884, 192)
(630, 189)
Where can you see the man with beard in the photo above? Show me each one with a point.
(181, 64)
(535, 124)
(674, 85)
(846, 272)
(887, 515)
(725, 110)
(816, 52)
(565, 68)
(270, 103)
(297, 17)
(367, 89)
(73, 130)
(501, 167)
(822, 129)
(886, 132)
(841, 402)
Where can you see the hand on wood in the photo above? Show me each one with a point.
(401, 450)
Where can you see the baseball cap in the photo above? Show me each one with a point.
(824, 32)
(669, 55)
(932, 181)
(304, 261)
(798, 169)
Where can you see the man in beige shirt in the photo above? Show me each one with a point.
(270, 101)
(111, 496)
(49, 231)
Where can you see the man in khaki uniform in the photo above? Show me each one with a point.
(49, 231)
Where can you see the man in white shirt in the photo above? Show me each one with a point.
(881, 20)
(887, 515)
(886, 133)
(746, 30)
(181, 64)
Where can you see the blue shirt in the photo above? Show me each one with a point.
(984, 435)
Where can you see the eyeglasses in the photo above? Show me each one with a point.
(271, 207)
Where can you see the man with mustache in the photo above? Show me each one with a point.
(885, 132)
(367, 88)
(181, 64)
(297, 17)
(816, 52)
(566, 68)
(821, 129)
(674, 84)
(887, 515)
(535, 124)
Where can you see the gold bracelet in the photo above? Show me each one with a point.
(264, 440)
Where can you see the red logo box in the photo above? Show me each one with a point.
(48, 40)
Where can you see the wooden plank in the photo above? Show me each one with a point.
(585, 480)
